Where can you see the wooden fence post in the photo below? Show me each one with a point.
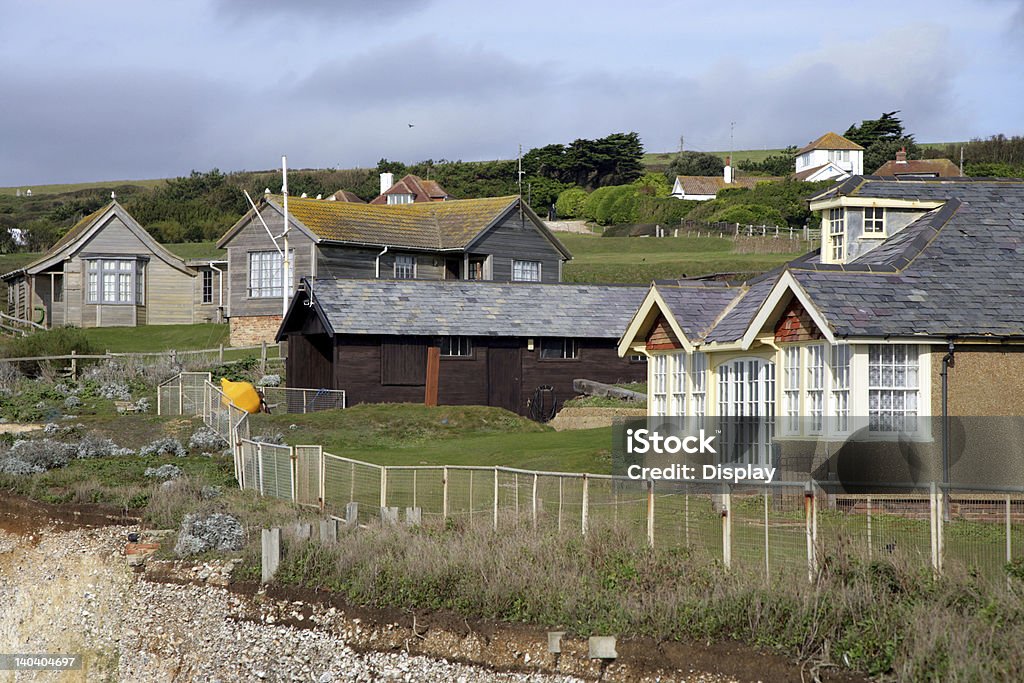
(726, 527)
(495, 498)
(534, 502)
(444, 493)
(586, 504)
(650, 512)
(383, 487)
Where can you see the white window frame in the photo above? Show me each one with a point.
(266, 272)
(677, 374)
(115, 281)
(839, 395)
(456, 347)
(699, 384)
(405, 263)
(876, 221)
(207, 287)
(814, 394)
(521, 274)
(791, 385)
(397, 198)
(559, 348)
(894, 377)
(837, 234)
(659, 385)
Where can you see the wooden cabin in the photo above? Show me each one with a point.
(496, 238)
(478, 343)
(107, 271)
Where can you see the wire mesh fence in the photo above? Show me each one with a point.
(775, 529)
(295, 400)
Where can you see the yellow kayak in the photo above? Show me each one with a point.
(242, 394)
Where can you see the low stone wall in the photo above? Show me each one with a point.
(253, 329)
(591, 418)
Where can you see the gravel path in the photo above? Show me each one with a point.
(70, 592)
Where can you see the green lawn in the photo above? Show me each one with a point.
(408, 434)
(642, 259)
(148, 338)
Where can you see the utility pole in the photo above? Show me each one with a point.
(285, 265)
(961, 160)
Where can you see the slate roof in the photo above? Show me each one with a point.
(957, 270)
(698, 184)
(420, 189)
(696, 306)
(829, 140)
(482, 309)
(942, 168)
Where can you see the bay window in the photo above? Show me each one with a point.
(815, 387)
(115, 281)
(841, 354)
(698, 380)
(659, 388)
(678, 374)
(791, 388)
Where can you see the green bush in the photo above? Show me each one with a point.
(570, 202)
(749, 214)
(60, 341)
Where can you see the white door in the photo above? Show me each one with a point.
(746, 406)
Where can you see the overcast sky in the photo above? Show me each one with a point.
(132, 89)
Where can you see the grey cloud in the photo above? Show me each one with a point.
(342, 11)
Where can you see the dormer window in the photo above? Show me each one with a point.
(874, 221)
(400, 198)
(837, 234)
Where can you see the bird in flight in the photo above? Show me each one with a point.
(411, 125)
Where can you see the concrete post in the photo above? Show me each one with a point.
(328, 530)
(271, 556)
(414, 516)
(389, 515)
(352, 513)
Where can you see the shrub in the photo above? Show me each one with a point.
(164, 446)
(59, 341)
(205, 440)
(570, 202)
(269, 381)
(164, 472)
(215, 531)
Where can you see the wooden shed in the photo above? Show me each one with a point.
(461, 343)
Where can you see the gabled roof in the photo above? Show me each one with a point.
(698, 184)
(955, 271)
(435, 226)
(459, 307)
(83, 230)
(420, 189)
(808, 173)
(940, 168)
(829, 140)
(344, 196)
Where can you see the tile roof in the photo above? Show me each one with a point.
(344, 196)
(420, 189)
(696, 306)
(426, 225)
(698, 184)
(942, 168)
(829, 140)
(459, 307)
(957, 270)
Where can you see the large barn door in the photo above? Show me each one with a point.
(504, 375)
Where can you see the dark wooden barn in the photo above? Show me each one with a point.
(457, 343)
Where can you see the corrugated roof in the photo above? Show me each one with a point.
(459, 307)
(829, 140)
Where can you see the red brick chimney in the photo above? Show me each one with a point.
(901, 156)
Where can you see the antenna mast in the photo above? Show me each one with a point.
(519, 173)
(285, 265)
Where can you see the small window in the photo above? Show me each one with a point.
(874, 221)
(405, 267)
(559, 349)
(207, 286)
(477, 269)
(526, 271)
(456, 347)
(637, 358)
(837, 233)
(400, 198)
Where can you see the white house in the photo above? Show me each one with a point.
(830, 157)
(701, 188)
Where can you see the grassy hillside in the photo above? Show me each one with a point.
(642, 259)
(75, 187)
